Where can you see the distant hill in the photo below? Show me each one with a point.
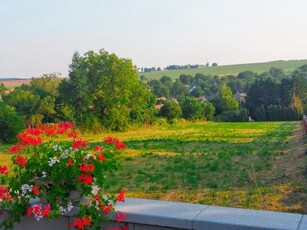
(223, 70)
(14, 82)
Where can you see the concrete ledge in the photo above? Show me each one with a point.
(175, 215)
(143, 214)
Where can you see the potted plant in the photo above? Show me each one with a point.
(55, 166)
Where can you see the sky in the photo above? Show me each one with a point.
(40, 36)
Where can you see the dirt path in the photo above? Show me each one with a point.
(289, 169)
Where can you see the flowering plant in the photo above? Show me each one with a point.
(52, 162)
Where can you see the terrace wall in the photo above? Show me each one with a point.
(143, 214)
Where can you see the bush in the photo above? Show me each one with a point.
(10, 124)
(234, 116)
(171, 110)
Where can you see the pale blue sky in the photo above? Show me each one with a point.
(40, 36)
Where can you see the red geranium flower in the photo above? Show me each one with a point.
(120, 216)
(101, 157)
(85, 178)
(35, 190)
(86, 168)
(70, 163)
(98, 149)
(106, 209)
(21, 161)
(4, 194)
(33, 131)
(120, 145)
(15, 149)
(79, 144)
(4, 169)
(81, 222)
(121, 196)
(72, 134)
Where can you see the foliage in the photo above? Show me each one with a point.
(228, 102)
(208, 111)
(170, 110)
(105, 86)
(53, 170)
(10, 123)
(192, 109)
(234, 116)
(37, 103)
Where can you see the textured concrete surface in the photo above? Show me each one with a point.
(236, 218)
(143, 214)
(303, 224)
(160, 213)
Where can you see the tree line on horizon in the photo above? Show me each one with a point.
(104, 92)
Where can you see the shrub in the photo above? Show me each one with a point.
(10, 123)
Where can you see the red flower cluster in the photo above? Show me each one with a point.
(106, 208)
(27, 139)
(121, 196)
(38, 210)
(85, 178)
(66, 125)
(15, 149)
(72, 134)
(86, 168)
(79, 223)
(110, 140)
(60, 128)
(70, 163)
(118, 144)
(21, 161)
(101, 157)
(33, 131)
(125, 227)
(98, 149)
(4, 169)
(35, 190)
(120, 216)
(4, 194)
(78, 144)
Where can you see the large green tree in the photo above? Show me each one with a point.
(228, 102)
(104, 89)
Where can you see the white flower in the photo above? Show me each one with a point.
(66, 210)
(95, 190)
(88, 156)
(53, 161)
(57, 147)
(25, 188)
(43, 174)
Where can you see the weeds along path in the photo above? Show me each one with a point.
(289, 169)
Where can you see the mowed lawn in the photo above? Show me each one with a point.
(255, 165)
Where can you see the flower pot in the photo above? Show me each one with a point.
(75, 197)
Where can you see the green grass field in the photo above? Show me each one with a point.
(287, 66)
(250, 165)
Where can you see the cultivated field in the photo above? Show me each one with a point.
(14, 83)
(255, 165)
(287, 66)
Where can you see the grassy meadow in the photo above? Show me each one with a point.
(251, 165)
(224, 70)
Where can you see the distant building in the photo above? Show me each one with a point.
(159, 106)
(240, 97)
(202, 99)
(161, 99)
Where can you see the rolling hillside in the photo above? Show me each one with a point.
(287, 66)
